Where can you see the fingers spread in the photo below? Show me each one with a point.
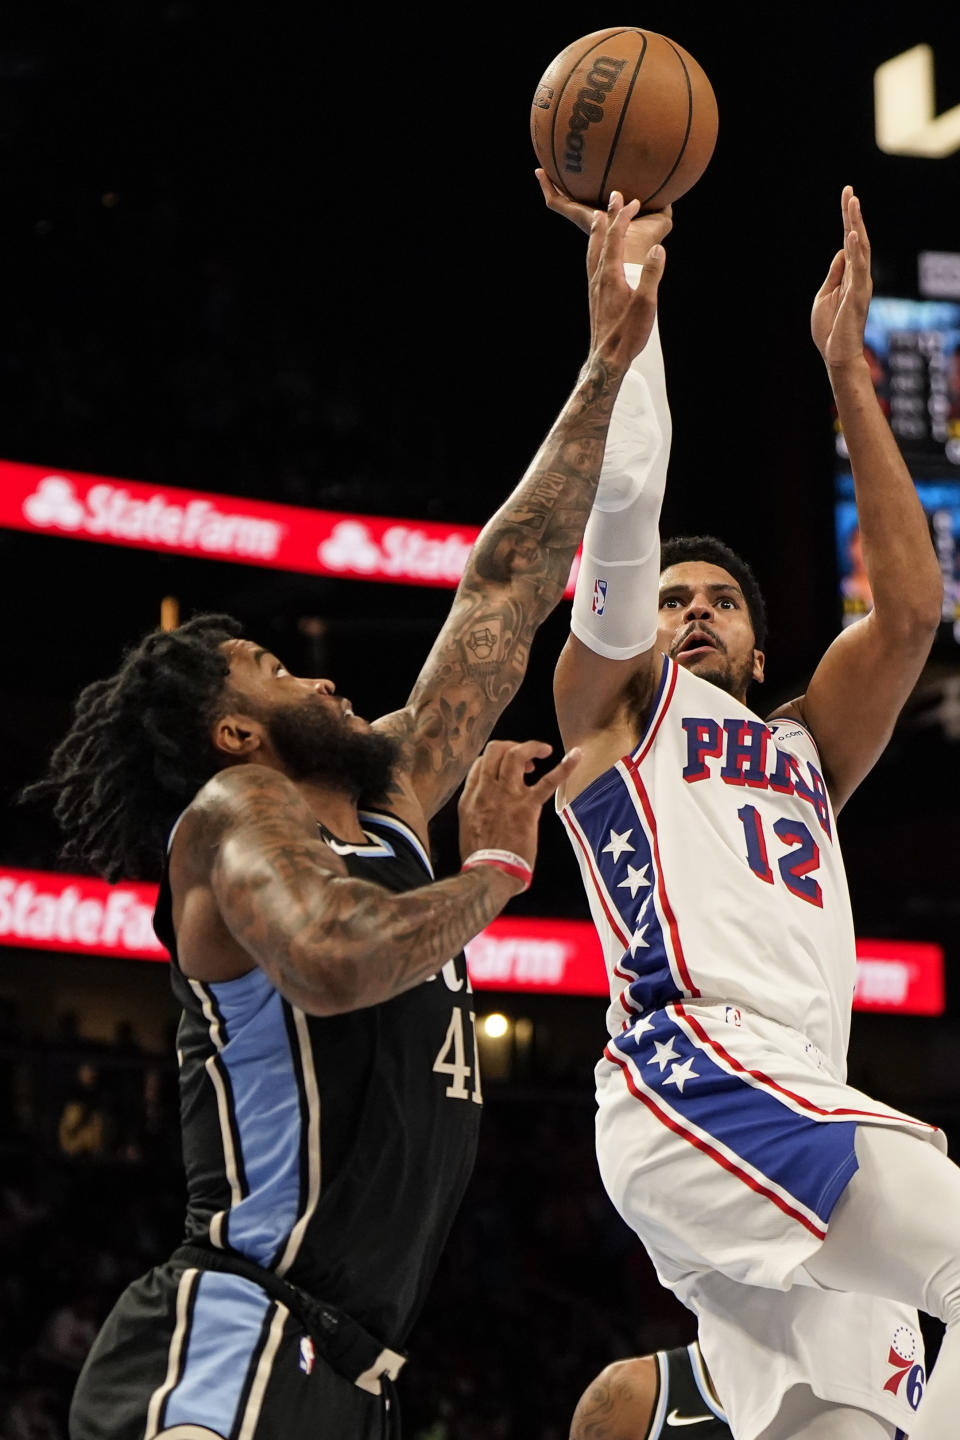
(518, 759)
(491, 758)
(548, 784)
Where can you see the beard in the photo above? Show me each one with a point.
(728, 675)
(315, 743)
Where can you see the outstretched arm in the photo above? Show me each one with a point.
(329, 942)
(613, 625)
(520, 564)
(860, 686)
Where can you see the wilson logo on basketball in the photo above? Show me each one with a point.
(588, 108)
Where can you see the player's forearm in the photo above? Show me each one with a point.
(346, 944)
(615, 604)
(899, 557)
(530, 543)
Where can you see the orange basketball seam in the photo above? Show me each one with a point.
(623, 115)
(686, 133)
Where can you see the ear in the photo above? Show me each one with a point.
(237, 736)
(758, 663)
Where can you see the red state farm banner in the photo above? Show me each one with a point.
(49, 911)
(224, 527)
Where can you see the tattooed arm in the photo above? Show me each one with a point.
(253, 884)
(520, 564)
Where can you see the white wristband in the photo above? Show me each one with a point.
(505, 860)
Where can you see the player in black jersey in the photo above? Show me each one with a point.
(648, 1396)
(328, 1071)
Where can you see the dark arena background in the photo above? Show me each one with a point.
(272, 257)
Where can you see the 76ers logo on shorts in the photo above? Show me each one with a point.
(599, 596)
(904, 1353)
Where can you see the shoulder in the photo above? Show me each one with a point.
(789, 723)
(242, 793)
(238, 799)
(634, 723)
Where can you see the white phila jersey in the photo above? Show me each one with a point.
(712, 868)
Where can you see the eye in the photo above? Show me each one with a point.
(670, 601)
(731, 604)
(279, 669)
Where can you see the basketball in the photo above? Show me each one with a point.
(624, 109)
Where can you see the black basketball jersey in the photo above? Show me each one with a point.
(332, 1150)
(683, 1397)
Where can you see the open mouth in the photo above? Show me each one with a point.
(697, 643)
(347, 710)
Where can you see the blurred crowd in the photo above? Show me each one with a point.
(540, 1285)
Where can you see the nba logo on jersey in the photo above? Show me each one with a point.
(307, 1355)
(599, 595)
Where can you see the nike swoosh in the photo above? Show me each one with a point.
(674, 1418)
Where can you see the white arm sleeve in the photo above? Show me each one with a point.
(615, 602)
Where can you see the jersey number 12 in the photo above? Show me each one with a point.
(795, 867)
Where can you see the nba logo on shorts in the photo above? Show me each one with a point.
(307, 1355)
(599, 596)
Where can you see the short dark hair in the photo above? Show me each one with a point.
(715, 552)
(138, 749)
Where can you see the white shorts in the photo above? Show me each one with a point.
(849, 1349)
(724, 1142)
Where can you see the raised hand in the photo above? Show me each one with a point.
(621, 317)
(498, 810)
(642, 232)
(843, 300)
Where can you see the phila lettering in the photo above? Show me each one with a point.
(742, 753)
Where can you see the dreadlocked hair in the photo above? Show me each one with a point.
(715, 552)
(139, 749)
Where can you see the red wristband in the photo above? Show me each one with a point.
(504, 860)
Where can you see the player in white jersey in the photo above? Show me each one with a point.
(803, 1222)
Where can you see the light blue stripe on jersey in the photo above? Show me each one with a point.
(810, 1159)
(267, 1113)
(226, 1326)
(618, 844)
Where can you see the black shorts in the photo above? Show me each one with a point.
(190, 1354)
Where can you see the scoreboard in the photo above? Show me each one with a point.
(913, 347)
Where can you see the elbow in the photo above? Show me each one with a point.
(926, 613)
(913, 627)
(320, 980)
